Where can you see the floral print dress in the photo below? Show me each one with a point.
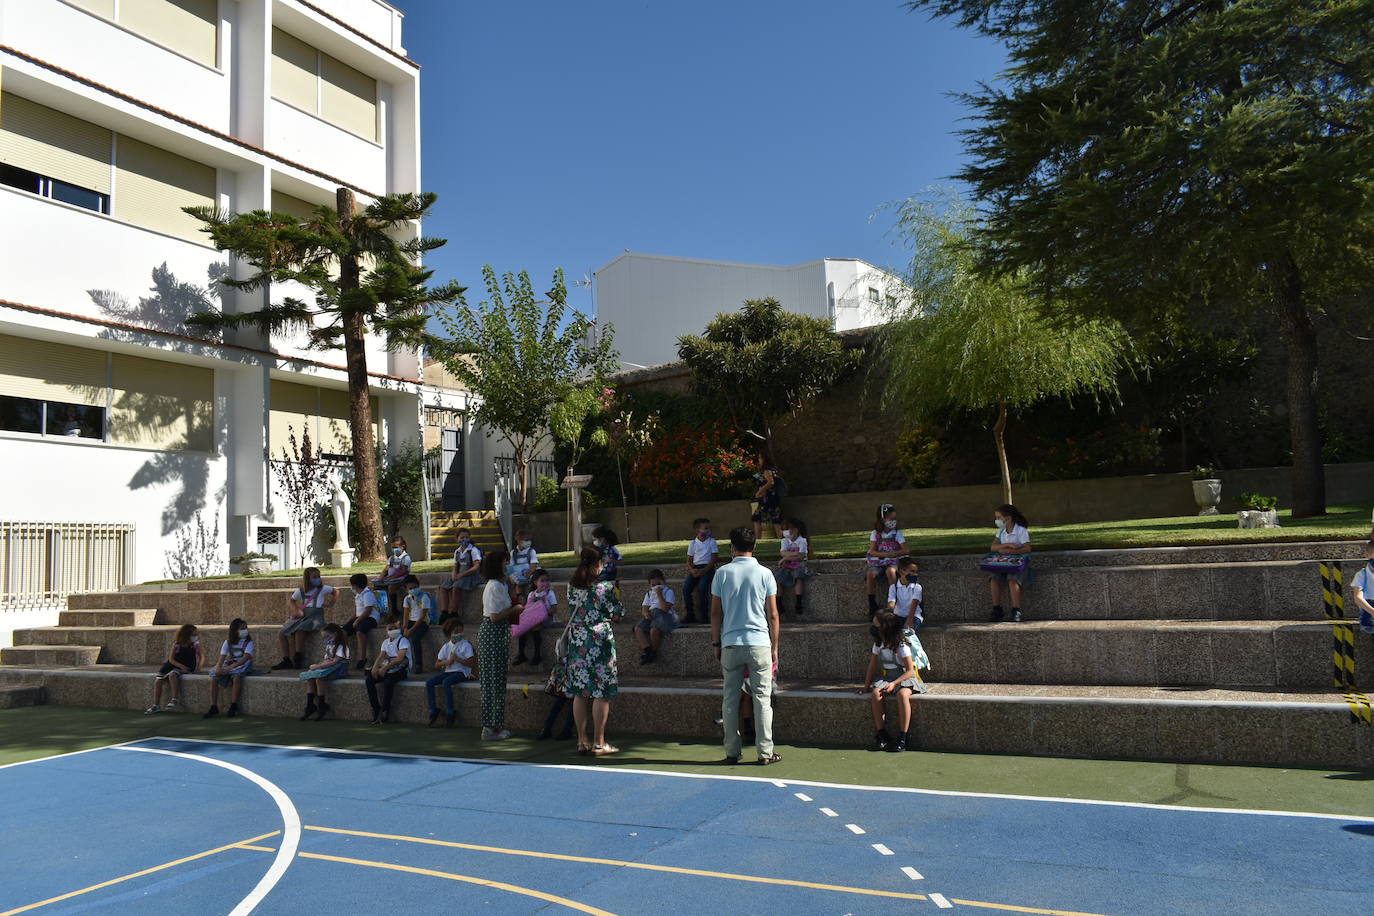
(590, 669)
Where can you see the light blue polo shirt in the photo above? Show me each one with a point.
(742, 587)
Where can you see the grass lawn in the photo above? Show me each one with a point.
(1341, 523)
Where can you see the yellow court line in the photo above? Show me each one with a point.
(257, 848)
(137, 874)
(620, 864)
(513, 888)
(1018, 909)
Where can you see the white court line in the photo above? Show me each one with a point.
(940, 901)
(912, 873)
(828, 812)
(882, 850)
(291, 825)
(802, 795)
(105, 747)
(855, 829)
(779, 783)
(907, 790)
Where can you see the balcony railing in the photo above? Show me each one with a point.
(41, 563)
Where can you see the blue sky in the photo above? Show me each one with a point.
(559, 134)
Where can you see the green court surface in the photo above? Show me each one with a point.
(30, 733)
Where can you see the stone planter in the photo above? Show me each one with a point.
(1207, 495)
(255, 567)
(1257, 518)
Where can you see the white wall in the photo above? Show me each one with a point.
(316, 143)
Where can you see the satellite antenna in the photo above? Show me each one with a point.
(588, 281)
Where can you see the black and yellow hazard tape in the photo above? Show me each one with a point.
(1343, 648)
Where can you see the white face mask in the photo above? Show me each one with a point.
(890, 525)
(597, 542)
(525, 545)
(790, 535)
(392, 634)
(999, 523)
(456, 638)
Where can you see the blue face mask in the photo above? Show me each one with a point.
(396, 551)
(415, 590)
(315, 583)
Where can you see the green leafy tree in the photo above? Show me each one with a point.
(400, 486)
(1145, 156)
(365, 279)
(522, 357)
(762, 363)
(982, 343)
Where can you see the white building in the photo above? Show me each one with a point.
(114, 115)
(652, 300)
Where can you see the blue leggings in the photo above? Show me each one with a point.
(445, 679)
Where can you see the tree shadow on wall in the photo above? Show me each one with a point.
(169, 303)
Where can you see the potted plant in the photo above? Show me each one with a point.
(254, 564)
(1257, 511)
(1206, 490)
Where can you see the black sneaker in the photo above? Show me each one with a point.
(211, 712)
(433, 718)
(233, 711)
(898, 746)
(449, 719)
(881, 740)
(645, 657)
(1016, 615)
(997, 613)
(362, 664)
(283, 665)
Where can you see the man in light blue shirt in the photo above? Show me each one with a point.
(744, 632)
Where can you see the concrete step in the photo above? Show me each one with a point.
(1252, 654)
(1269, 728)
(14, 697)
(133, 617)
(47, 655)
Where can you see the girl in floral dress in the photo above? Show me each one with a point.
(591, 676)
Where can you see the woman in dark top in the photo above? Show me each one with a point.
(766, 483)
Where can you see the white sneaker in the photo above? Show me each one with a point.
(491, 734)
(151, 710)
(173, 704)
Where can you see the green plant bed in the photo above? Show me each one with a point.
(1341, 523)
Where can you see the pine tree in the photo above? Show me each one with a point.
(366, 280)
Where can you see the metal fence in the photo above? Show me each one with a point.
(41, 563)
(504, 466)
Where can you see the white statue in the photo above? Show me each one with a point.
(340, 505)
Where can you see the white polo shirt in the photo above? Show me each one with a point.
(700, 552)
(900, 597)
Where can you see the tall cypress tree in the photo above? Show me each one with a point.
(365, 279)
(1158, 158)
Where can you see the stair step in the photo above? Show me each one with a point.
(1267, 728)
(61, 655)
(14, 697)
(132, 617)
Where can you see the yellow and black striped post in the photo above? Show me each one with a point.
(1343, 636)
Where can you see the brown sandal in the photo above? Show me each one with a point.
(584, 749)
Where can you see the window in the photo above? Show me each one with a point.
(44, 151)
(68, 193)
(872, 294)
(52, 418)
(306, 78)
(188, 27)
(154, 185)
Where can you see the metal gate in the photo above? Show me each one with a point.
(453, 493)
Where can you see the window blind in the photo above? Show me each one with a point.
(153, 185)
(49, 371)
(51, 143)
(293, 410)
(335, 435)
(189, 27)
(161, 404)
(295, 72)
(103, 8)
(348, 98)
(292, 206)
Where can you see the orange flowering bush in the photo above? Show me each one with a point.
(691, 462)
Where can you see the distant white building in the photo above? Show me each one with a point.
(652, 300)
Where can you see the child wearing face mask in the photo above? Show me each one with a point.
(394, 576)
(885, 545)
(702, 555)
(1362, 589)
(904, 598)
(464, 579)
(539, 607)
(1012, 538)
(417, 609)
(333, 665)
(308, 604)
(235, 663)
(365, 617)
(457, 662)
(390, 668)
(792, 570)
(524, 560)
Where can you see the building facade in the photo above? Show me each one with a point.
(115, 114)
(652, 300)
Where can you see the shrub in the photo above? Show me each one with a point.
(1255, 502)
(693, 462)
(918, 456)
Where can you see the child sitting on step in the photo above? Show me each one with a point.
(235, 663)
(464, 579)
(891, 672)
(524, 560)
(333, 665)
(604, 540)
(886, 544)
(416, 611)
(659, 617)
(1012, 538)
(904, 598)
(365, 617)
(539, 607)
(792, 569)
(308, 603)
(184, 657)
(394, 576)
(457, 662)
(390, 668)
